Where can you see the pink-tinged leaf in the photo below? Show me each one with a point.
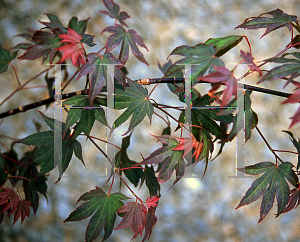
(294, 98)
(279, 20)
(152, 202)
(97, 64)
(151, 220)
(9, 198)
(128, 38)
(46, 45)
(171, 159)
(113, 11)
(293, 200)
(74, 52)
(135, 217)
(224, 76)
(187, 144)
(72, 37)
(22, 210)
(249, 60)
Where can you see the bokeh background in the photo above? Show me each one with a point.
(193, 210)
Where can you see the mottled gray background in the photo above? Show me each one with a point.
(193, 210)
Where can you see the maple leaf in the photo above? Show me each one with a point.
(224, 44)
(296, 144)
(151, 220)
(222, 75)
(85, 116)
(5, 59)
(72, 37)
(44, 154)
(97, 65)
(54, 22)
(273, 181)
(294, 98)
(22, 210)
(151, 181)
(202, 57)
(123, 161)
(172, 159)
(128, 38)
(244, 113)
(152, 202)
(248, 59)
(46, 45)
(187, 144)
(9, 198)
(71, 49)
(113, 11)
(290, 70)
(293, 200)
(135, 99)
(106, 207)
(135, 217)
(279, 20)
(74, 52)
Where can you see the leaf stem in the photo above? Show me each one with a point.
(133, 193)
(270, 148)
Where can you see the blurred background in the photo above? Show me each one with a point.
(193, 210)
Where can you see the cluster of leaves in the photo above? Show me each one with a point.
(57, 43)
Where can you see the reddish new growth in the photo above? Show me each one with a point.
(71, 49)
(187, 144)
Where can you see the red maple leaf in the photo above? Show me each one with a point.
(22, 210)
(152, 202)
(294, 98)
(10, 199)
(71, 49)
(72, 37)
(187, 144)
(135, 217)
(74, 52)
(222, 75)
(248, 59)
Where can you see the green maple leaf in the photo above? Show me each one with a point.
(80, 28)
(44, 154)
(135, 99)
(172, 159)
(128, 38)
(5, 59)
(273, 181)
(86, 117)
(151, 181)
(279, 20)
(224, 44)
(54, 22)
(105, 207)
(122, 161)
(202, 57)
(250, 117)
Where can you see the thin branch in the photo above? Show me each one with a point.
(141, 82)
(21, 87)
